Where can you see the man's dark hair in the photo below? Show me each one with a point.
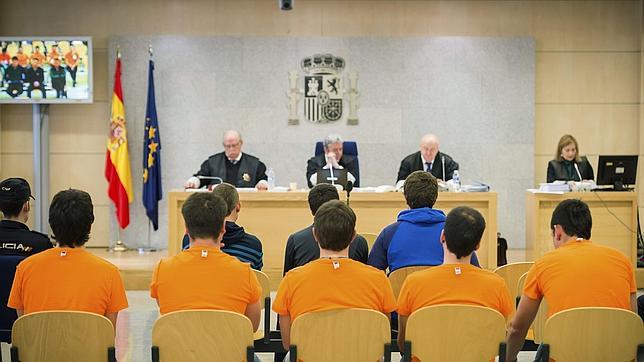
(574, 218)
(229, 194)
(204, 214)
(11, 208)
(334, 225)
(14, 58)
(421, 189)
(71, 215)
(463, 230)
(320, 194)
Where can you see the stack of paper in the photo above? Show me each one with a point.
(557, 186)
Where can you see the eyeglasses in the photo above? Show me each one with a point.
(234, 145)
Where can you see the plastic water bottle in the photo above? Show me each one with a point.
(456, 179)
(271, 178)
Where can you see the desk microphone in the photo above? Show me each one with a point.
(443, 162)
(349, 188)
(578, 173)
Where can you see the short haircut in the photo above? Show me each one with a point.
(320, 194)
(71, 215)
(464, 227)
(331, 139)
(11, 208)
(14, 58)
(204, 214)
(334, 225)
(574, 218)
(229, 194)
(421, 189)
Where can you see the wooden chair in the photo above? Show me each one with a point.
(511, 274)
(340, 335)
(453, 332)
(202, 335)
(62, 336)
(371, 239)
(398, 276)
(593, 334)
(535, 333)
(263, 333)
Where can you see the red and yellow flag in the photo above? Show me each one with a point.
(117, 159)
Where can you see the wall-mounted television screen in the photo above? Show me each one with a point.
(46, 69)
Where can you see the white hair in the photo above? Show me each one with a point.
(331, 139)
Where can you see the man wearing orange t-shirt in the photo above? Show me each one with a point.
(69, 277)
(456, 281)
(204, 277)
(578, 273)
(334, 281)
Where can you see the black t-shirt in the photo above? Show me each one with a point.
(302, 248)
(17, 239)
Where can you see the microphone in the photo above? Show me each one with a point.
(349, 189)
(578, 173)
(443, 162)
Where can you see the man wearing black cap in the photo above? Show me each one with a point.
(15, 236)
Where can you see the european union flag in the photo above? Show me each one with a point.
(152, 191)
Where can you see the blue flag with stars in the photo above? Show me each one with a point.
(152, 191)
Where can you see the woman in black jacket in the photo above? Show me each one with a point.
(567, 157)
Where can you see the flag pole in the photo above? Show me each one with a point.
(119, 243)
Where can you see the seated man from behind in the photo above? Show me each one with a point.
(414, 239)
(334, 281)
(456, 281)
(236, 242)
(301, 246)
(69, 277)
(204, 277)
(578, 273)
(15, 236)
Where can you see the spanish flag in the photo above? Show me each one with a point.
(117, 159)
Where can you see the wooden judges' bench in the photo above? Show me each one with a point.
(273, 216)
(614, 222)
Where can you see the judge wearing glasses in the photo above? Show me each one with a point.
(232, 166)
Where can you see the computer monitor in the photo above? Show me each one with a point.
(339, 176)
(617, 171)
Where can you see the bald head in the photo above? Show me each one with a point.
(232, 143)
(429, 147)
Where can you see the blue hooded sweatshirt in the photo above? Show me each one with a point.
(414, 239)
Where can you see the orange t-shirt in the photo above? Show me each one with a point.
(204, 278)
(71, 59)
(581, 274)
(67, 279)
(444, 284)
(326, 284)
(23, 59)
(39, 57)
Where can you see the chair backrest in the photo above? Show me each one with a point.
(455, 333)
(370, 237)
(539, 322)
(594, 334)
(202, 335)
(8, 315)
(63, 336)
(263, 333)
(398, 276)
(348, 148)
(263, 280)
(511, 274)
(341, 334)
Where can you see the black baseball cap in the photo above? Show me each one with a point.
(15, 190)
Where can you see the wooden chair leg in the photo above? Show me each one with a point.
(155, 354)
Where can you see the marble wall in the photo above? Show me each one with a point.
(475, 93)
